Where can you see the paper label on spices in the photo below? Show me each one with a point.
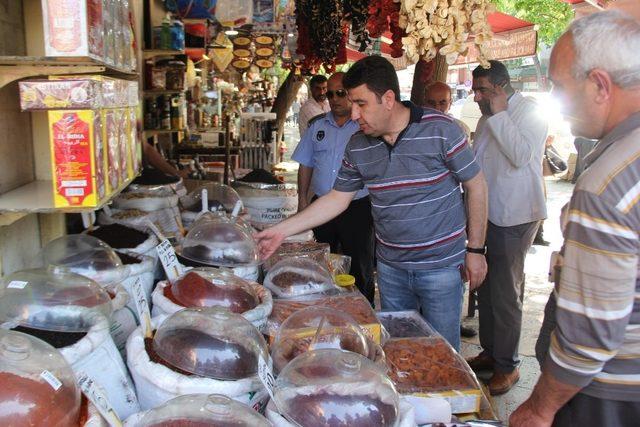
(265, 373)
(142, 306)
(97, 396)
(51, 379)
(167, 255)
(17, 284)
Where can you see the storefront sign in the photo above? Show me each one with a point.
(503, 46)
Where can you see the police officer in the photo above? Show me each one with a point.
(320, 154)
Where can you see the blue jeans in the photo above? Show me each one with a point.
(437, 294)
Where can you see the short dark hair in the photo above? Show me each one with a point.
(317, 79)
(497, 73)
(376, 72)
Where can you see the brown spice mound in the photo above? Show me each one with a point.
(119, 236)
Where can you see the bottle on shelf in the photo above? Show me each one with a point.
(176, 114)
(166, 114)
(165, 33)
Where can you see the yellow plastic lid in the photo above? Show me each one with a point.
(345, 280)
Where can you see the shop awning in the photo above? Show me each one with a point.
(515, 38)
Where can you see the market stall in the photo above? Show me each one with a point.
(158, 304)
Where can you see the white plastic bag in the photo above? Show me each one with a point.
(167, 220)
(145, 271)
(124, 319)
(163, 306)
(156, 383)
(97, 356)
(143, 202)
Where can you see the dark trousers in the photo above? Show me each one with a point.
(500, 296)
(351, 233)
(587, 411)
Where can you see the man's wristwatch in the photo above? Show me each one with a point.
(481, 251)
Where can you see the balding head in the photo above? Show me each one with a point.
(438, 96)
(598, 86)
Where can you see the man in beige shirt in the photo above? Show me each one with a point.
(316, 104)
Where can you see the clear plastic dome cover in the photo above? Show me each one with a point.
(219, 197)
(209, 287)
(337, 388)
(85, 255)
(316, 328)
(46, 300)
(211, 342)
(293, 277)
(220, 241)
(38, 385)
(203, 410)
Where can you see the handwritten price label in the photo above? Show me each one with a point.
(142, 305)
(169, 260)
(96, 395)
(265, 373)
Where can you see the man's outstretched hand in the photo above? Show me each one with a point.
(269, 241)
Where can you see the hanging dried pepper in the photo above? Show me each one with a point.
(320, 32)
(357, 11)
(385, 15)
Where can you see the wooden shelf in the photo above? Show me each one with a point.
(153, 92)
(19, 67)
(150, 53)
(37, 197)
(162, 131)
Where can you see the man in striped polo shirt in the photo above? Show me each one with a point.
(412, 161)
(591, 373)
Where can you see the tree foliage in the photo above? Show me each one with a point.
(551, 16)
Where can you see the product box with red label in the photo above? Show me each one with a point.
(73, 28)
(78, 158)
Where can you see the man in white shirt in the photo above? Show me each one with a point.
(438, 96)
(316, 104)
(509, 146)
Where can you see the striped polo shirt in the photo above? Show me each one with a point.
(596, 343)
(414, 186)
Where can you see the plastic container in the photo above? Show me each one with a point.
(85, 255)
(405, 324)
(337, 388)
(296, 277)
(268, 204)
(220, 242)
(219, 196)
(157, 383)
(38, 385)
(318, 252)
(164, 302)
(315, 328)
(33, 298)
(207, 287)
(201, 410)
(210, 342)
(71, 313)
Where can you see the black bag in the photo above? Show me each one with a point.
(555, 162)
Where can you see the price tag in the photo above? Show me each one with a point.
(142, 305)
(169, 260)
(51, 379)
(96, 395)
(17, 284)
(265, 372)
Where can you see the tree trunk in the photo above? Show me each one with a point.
(286, 95)
(427, 73)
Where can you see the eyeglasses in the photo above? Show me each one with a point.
(340, 93)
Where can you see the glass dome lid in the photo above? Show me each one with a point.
(203, 410)
(211, 342)
(220, 241)
(219, 197)
(337, 388)
(85, 255)
(38, 385)
(293, 277)
(210, 287)
(316, 328)
(46, 300)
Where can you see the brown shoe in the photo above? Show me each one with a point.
(482, 362)
(501, 382)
